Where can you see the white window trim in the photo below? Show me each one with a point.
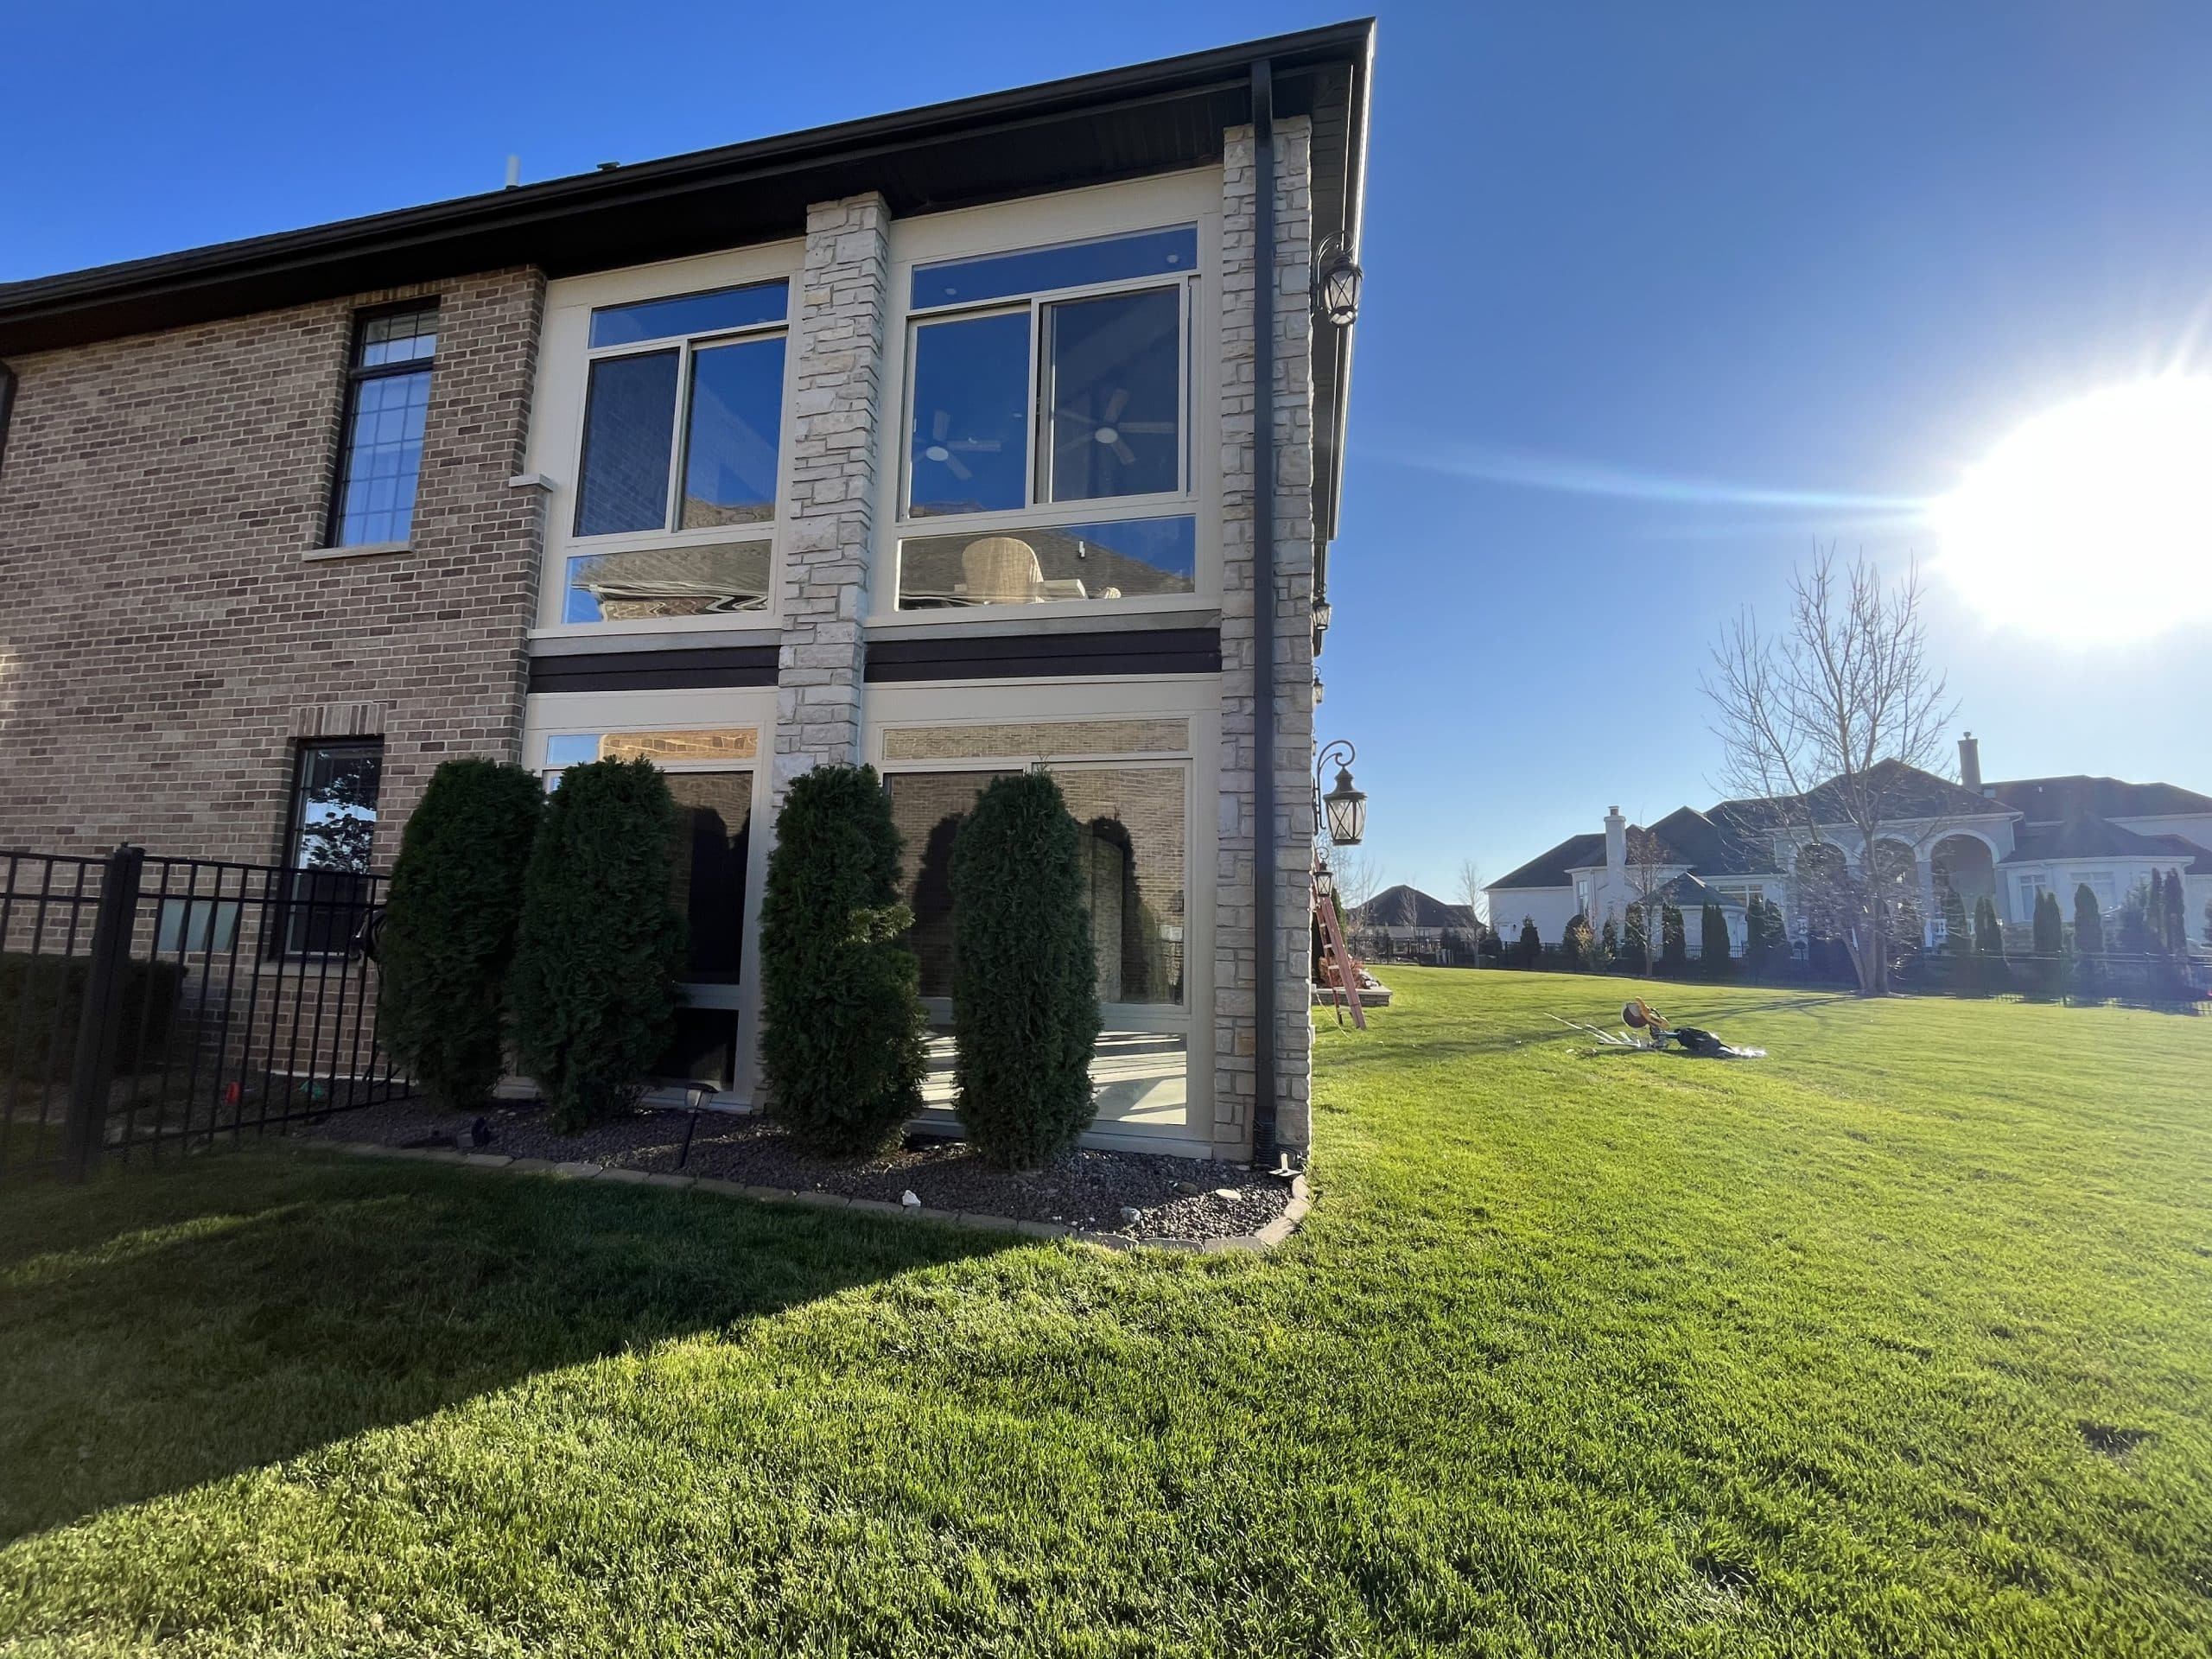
(564, 359)
(1088, 214)
(1189, 697)
(559, 714)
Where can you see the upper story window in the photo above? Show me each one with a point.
(682, 434)
(387, 398)
(1048, 425)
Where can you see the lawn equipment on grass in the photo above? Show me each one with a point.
(1651, 1031)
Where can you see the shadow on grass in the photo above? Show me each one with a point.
(159, 1330)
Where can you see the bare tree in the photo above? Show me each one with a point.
(1649, 866)
(1474, 901)
(1826, 724)
(1357, 880)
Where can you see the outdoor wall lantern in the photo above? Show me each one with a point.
(1336, 281)
(1324, 884)
(1345, 805)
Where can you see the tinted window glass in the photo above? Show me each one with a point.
(970, 443)
(333, 826)
(729, 465)
(398, 337)
(1038, 564)
(667, 582)
(1073, 264)
(689, 314)
(629, 428)
(714, 819)
(383, 456)
(1114, 388)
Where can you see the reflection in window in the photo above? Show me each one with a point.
(689, 314)
(969, 450)
(388, 402)
(667, 582)
(1114, 395)
(629, 425)
(333, 829)
(1110, 561)
(715, 817)
(1132, 822)
(729, 452)
(1072, 264)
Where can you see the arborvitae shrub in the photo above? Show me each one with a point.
(844, 1039)
(2050, 926)
(447, 939)
(1532, 944)
(1609, 941)
(1024, 999)
(1713, 941)
(1636, 943)
(1673, 942)
(1755, 937)
(600, 942)
(1575, 943)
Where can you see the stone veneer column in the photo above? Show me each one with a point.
(1291, 613)
(839, 339)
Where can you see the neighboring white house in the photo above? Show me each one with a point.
(2005, 841)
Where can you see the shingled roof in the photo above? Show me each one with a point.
(2057, 800)
(1405, 906)
(1550, 869)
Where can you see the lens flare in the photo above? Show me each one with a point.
(2093, 521)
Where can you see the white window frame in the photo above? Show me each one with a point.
(1087, 215)
(1189, 697)
(551, 715)
(565, 359)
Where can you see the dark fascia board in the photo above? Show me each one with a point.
(1122, 122)
(654, 671)
(1047, 656)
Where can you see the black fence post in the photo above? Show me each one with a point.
(99, 1022)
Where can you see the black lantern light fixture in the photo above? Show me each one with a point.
(1337, 277)
(1345, 805)
(1324, 884)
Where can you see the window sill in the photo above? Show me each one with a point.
(684, 633)
(361, 550)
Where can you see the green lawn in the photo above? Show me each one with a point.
(1898, 1342)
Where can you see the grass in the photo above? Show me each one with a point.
(1898, 1342)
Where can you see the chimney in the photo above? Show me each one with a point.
(1616, 845)
(1970, 763)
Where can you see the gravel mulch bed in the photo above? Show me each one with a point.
(1097, 1191)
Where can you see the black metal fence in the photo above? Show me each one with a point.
(153, 1005)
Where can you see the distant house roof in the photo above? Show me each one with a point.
(2099, 838)
(1909, 791)
(2056, 800)
(1686, 891)
(1405, 906)
(1550, 869)
(1714, 844)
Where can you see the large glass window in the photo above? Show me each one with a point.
(1017, 413)
(684, 435)
(1131, 821)
(1114, 396)
(714, 806)
(333, 827)
(387, 405)
(970, 448)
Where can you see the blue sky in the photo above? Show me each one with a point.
(1658, 298)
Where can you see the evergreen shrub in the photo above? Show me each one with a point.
(601, 942)
(844, 1039)
(1024, 999)
(447, 939)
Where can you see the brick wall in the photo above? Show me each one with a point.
(165, 642)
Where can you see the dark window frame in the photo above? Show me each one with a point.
(356, 377)
(280, 941)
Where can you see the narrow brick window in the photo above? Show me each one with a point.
(327, 841)
(388, 395)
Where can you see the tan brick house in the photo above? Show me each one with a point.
(926, 440)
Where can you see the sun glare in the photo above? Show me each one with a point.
(2093, 521)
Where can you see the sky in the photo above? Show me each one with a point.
(1658, 300)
